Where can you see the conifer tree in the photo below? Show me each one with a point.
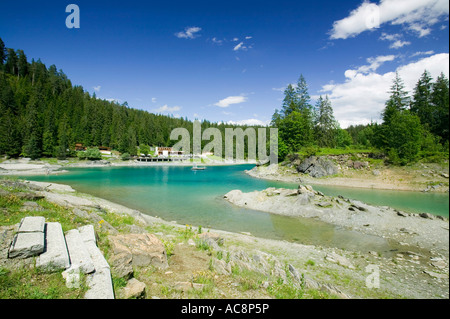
(422, 100)
(2, 53)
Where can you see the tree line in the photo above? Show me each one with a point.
(412, 126)
(43, 115)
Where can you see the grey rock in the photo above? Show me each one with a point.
(426, 215)
(56, 256)
(100, 285)
(31, 206)
(121, 265)
(72, 277)
(32, 224)
(134, 289)
(27, 245)
(317, 167)
(221, 267)
(78, 252)
(87, 233)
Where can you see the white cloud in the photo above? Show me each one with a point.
(189, 33)
(249, 122)
(248, 38)
(231, 100)
(420, 29)
(395, 39)
(216, 41)
(118, 101)
(423, 53)
(97, 88)
(361, 98)
(375, 63)
(416, 15)
(235, 39)
(153, 99)
(239, 46)
(167, 109)
(399, 44)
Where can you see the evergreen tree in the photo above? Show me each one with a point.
(63, 138)
(11, 62)
(326, 125)
(303, 99)
(10, 139)
(290, 101)
(398, 101)
(422, 102)
(2, 53)
(440, 101)
(404, 137)
(32, 148)
(22, 64)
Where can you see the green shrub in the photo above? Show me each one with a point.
(125, 157)
(91, 154)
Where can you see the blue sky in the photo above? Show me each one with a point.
(230, 60)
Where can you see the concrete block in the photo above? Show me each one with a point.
(88, 233)
(100, 285)
(78, 252)
(32, 224)
(55, 256)
(27, 245)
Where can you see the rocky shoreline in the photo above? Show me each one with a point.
(421, 179)
(424, 231)
(341, 273)
(27, 167)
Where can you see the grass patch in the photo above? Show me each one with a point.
(26, 283)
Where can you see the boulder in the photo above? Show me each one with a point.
(121, 265)
(72, 277)
(360, 165)
(426, 215)
(317, 167)
(134, 289)
(208, 236)
(144, 249)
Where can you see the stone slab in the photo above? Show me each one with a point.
(96, 256)
(55, 256)
(100, 285)
(78, 252)
(88, 233)
(27, 245)
(32, 224)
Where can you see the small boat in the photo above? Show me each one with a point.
(198, 168)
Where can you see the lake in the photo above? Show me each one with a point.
(176, 193)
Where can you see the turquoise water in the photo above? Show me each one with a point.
(196, 198)
(412, 202)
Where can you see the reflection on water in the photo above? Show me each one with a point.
(196, 197)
